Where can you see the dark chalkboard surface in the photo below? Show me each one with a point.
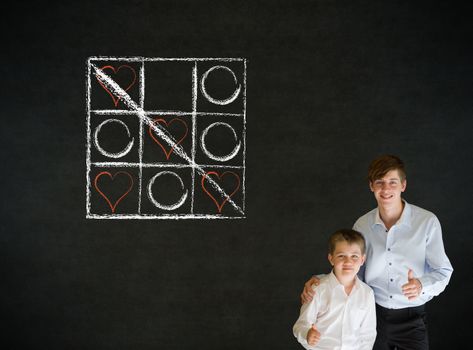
(329, 86)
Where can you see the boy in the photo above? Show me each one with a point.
(342, 313)
(406, 265)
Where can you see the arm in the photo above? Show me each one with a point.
(307, 318)
(438, 268)
(367, 333)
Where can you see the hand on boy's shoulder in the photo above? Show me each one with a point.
(310, 288)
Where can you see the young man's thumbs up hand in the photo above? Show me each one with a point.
(413, 287)
(313, 336)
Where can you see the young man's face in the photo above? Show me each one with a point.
(388, 189)
(346, 260)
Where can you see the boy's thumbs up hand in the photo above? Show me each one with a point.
(313, 336)
(413, 287)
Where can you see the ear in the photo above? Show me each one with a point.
(371, 186)
(330, 258)
(403, 185)
(363, 259)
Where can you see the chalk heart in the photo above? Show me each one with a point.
(218, 178)
(179, 126)
(126, 74)
(111, 177)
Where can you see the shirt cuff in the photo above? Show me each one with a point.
(426, 285)
(302, 336)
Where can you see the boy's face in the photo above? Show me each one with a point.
(346, 260)
(388, 189)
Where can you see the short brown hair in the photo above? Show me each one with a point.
(346, 235)
(380, 166)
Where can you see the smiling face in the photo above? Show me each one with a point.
(387, 190)
(346, 260)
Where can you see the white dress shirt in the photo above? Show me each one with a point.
(345, 322)
(414, 242)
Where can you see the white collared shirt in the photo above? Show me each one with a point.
(414, 242)
(345, 322)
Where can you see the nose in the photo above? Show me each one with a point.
(348, 260)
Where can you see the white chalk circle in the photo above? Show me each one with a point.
(164, 206)
(109, 154)
(225, 101)
(212, 156)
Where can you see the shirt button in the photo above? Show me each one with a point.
(389, 249)
(390, 264)
(391, 279)
(391, 296)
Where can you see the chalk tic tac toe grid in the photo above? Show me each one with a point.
(166, 138)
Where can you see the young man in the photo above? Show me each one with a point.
(406, 264)
(342, 314)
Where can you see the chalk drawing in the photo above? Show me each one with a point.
(211, 190)
(235, 189)
(107, 197)
(168, 207)
(109, 154)
(225, 101)
(163, 144)
(229, 156)
(115, 71)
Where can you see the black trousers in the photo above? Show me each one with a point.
(401, 329)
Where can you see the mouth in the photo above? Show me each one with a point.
(386, 196)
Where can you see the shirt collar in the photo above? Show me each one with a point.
(405, 218)
(335, 283)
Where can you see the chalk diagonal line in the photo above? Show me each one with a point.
(123, 95)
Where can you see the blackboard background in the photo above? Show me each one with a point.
(331, 84)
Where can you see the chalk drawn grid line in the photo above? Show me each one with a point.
(194, 113)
